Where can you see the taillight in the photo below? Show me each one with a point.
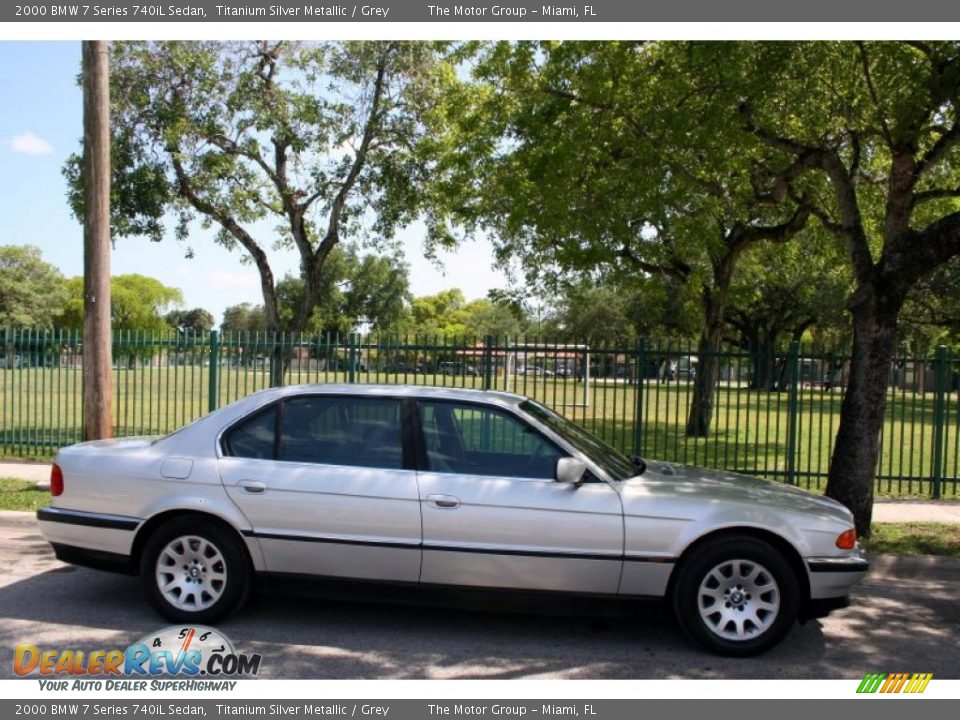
(847, 540)
(56, 480)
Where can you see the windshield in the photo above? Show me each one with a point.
(616, 464)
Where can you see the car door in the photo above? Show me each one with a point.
(325, 485)
(493, 515)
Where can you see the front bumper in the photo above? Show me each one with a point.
(832, 577)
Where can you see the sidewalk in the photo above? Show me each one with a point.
(884, 511)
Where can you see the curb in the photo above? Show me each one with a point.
(915, 567)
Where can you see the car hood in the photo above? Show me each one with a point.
(720, 486)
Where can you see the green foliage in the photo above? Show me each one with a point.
(931, 314)
(621, 314)
(353, 290)
(137, 303)
(32, 291)
(796, 291)
(581, 158)
(196, 320)
(244, 318)
(447, 313)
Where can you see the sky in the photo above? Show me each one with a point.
(41, 124)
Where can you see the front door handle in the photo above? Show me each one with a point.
(253, 486)
(444, 502)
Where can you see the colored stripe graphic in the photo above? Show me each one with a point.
(894, 683)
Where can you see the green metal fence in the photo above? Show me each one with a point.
(774, 416)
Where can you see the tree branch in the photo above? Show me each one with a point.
(229, 223)
(868, 78)
(940, 148)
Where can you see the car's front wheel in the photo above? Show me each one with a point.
(737, 596)
(194, 570)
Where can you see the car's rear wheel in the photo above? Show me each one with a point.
(194, 570)
(737, 596)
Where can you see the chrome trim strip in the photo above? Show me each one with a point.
(412, 545)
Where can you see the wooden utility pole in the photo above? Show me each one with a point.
(97, 350)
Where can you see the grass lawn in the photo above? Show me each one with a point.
(22, 495)
(915, 539)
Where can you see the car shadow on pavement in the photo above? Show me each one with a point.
(903, 626)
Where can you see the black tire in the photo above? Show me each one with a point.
(757, 627)
(213, 599)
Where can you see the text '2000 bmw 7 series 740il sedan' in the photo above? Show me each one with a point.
(432, 487)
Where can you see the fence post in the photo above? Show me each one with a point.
(352, 358)
(487, 362)
(214, 371)
(940, 376)
(641, 359)
(793, 412)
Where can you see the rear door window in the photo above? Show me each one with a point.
(359, 432)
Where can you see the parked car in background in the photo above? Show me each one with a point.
(434, 487)
(457, 368)
(401, 368)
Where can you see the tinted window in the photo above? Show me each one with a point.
(610, 459)
(364, 432)
(253, 438)
(474, 440)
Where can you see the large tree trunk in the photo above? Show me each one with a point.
(854, 461)
(708, 370)
(763, 358)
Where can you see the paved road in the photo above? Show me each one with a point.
(904, 618)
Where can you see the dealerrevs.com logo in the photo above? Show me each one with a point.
(191, 652)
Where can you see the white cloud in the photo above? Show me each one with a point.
(30, 144)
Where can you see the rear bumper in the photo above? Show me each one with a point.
(96, 534)
(96, 559)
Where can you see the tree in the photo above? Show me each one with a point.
(319, 138)
(620, 312)
(140, 303)
(31, 290)
(598, 158)
(782, 292)
(931, 312)
(440, 314)
(352, 290)
(196, 320)
(243, 318)
(499, 320)
(866, 135)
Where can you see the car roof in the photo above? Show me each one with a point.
(416, 391)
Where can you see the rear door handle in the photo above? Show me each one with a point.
(444, 502)
(253, 486)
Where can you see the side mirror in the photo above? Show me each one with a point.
(570, 471)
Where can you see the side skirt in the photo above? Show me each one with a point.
(539, 602)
